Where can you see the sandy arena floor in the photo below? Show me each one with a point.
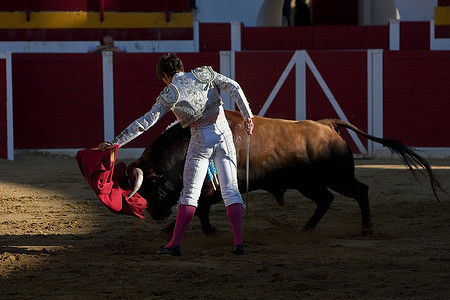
(57, 241)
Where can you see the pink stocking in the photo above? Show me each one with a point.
(184, 216)
(234, 212)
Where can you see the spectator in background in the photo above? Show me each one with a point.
(192, 4)
(302, 14)
(287, 13)
(106, 44)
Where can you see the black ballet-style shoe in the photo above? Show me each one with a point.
(238, 249)
(175, 250)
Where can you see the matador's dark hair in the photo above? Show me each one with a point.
(169, 64)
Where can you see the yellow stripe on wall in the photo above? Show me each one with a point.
(442, 15)
(82, 19)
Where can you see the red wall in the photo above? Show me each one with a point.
(214, 36)
(258, 72)
(94, 34)
(137, 86)
(294, 38)
(345, 73)
(277, 38)
(58, 97)
(414, 35)
(417, 97)
(58, 100)
(351, 37)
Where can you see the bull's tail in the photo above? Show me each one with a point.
(409, 157)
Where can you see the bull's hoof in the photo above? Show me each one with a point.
(209, 231)
(308, 229)
(367, 232)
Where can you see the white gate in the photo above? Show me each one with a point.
(301, 60)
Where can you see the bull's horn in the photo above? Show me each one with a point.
(138, 182)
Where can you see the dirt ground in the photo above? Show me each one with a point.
(57, 241)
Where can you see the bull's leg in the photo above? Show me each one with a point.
(360, 192)
(323, 199)
(203, 214)
(279, 194)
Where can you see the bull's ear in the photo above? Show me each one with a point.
(154, 177)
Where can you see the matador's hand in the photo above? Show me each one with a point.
(105, 146)
(248, 124)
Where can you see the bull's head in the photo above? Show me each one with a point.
(138, 178)
(148, 183)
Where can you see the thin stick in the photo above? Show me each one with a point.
(247, 167)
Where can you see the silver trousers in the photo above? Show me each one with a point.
(215, 142)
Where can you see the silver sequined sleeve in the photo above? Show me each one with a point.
(237, 94)
(142, 124)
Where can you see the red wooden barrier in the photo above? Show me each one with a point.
(136, 87)
(58, 101)
(258, 72)
(351, 37)
(345, 73)
(277, 38)
(414, 35)
(214, 36)
(94, 34)
(295, 38)
(417, 97)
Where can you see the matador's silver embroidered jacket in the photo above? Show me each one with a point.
(190, 96)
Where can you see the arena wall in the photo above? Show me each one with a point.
(189, 36)
(59, 98)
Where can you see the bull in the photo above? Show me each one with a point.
(309, 156)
